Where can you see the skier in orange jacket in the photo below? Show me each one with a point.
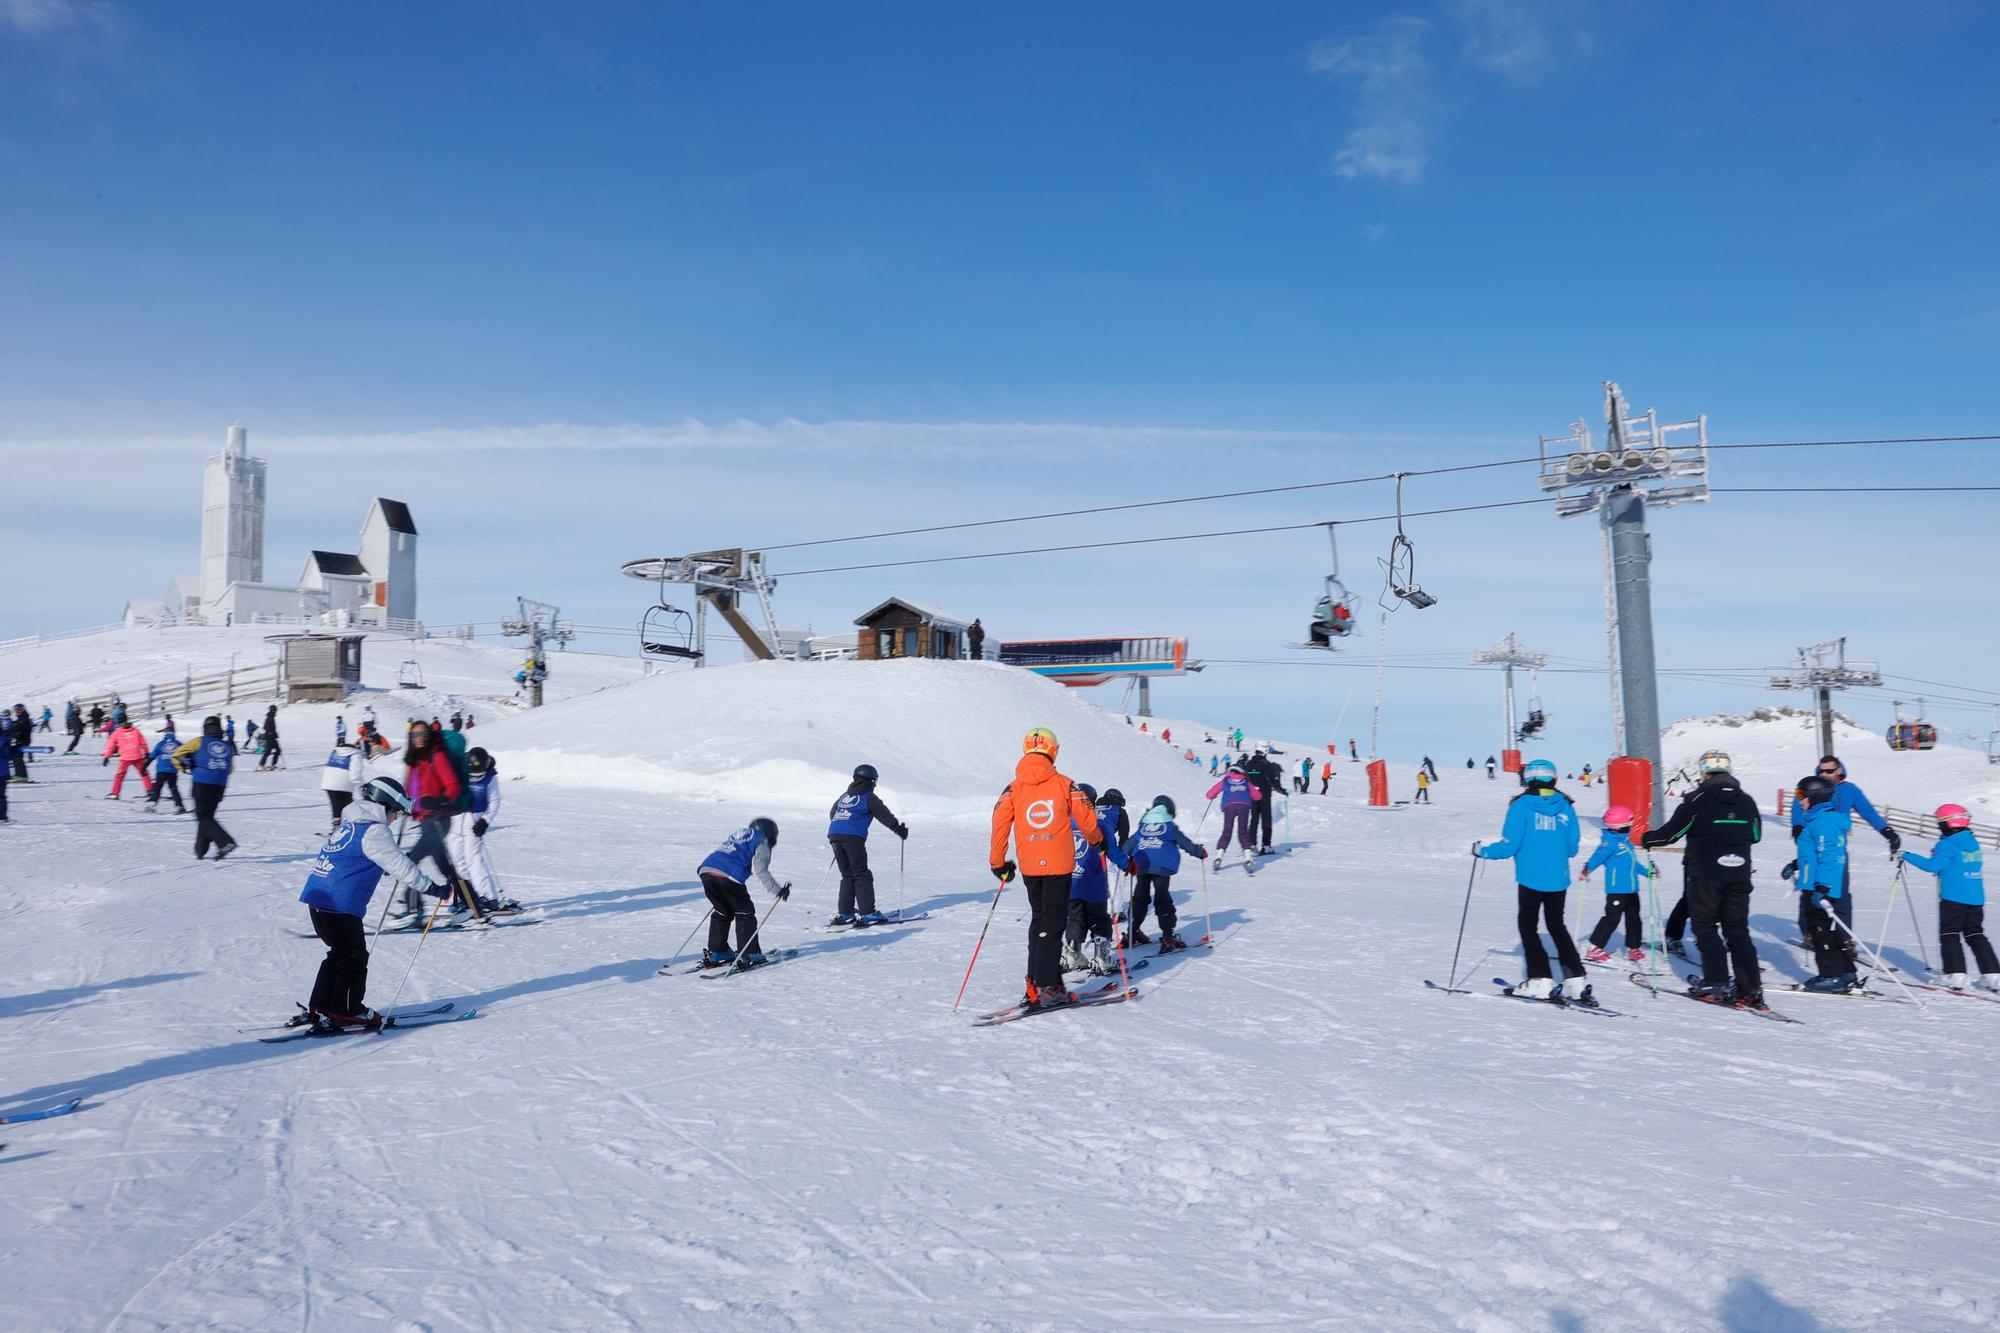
(1044, 813)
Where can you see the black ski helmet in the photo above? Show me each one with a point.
(1089, 792)
(1168, 803)
(477, 760)
(387, 793)
(1112, 796)
(767, 827)
(1815, 790)
(865, 773)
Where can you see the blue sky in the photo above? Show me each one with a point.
(587, 282)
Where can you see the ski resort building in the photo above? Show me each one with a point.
(375, 586)
(898, 628)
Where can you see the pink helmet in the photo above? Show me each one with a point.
(1618, 816)
(1954, 816)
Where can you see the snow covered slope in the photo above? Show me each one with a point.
(1287, 1131)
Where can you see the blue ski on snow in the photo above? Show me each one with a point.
(22, 1117)
(393, 1024)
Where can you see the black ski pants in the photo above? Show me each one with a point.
(343, 973)
(1088, 918)
(1531, 904)
(1048, 903)
(1959, 925)
(1423, 796)
(1843, 906)
(1260, 822)
(728, 901)
(857, 881)
(1721, 916)
(434, 841)
(273, 752)
(1154, 890)
(21, 761)
(207, 831)
(74, 736)
(339, 800)
(1617, 905)
(1833, 948)
(166, 782)
(3, 795)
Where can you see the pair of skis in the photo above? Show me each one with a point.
(711, 970)
(888, 919)
(1508, 991)
(447, 1012)
(1771, 1014)
(1108, 993)
(23, 1117)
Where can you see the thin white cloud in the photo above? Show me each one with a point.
(1395, 112)
(1521, 40)
(36, 17)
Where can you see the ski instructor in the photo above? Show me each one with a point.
(1037, 809)
(1721, 824)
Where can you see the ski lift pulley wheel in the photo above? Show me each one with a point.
(667, 631)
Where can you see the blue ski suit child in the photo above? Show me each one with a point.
(1959, 866)
(1155, 851)
(1090, 886)
(1820, 874)
(358, 852)
(1540, 836)
(1622, 869)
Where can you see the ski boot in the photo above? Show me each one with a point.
(717, 957)
(1715, 992)
(754, 958)
(111, 796)
(1099, 958)
(1072, 958)
(304, 1018)
(224, 850)
(1751, 999)
(1988, 981)
(1048, 997)
(1677, 948)
(1537, 988)
(1636, 955)
(1218, 864)
(1595, 954)
(870, 919)
(1576, 990)
(328, 1025)
(1137, 936)
(1171, 943)
(1840, 984)
(1953, 980)
(841, 919)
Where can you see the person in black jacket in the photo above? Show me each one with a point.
(1263, 775)
(1721, 824)
(848, 822)
(272, 752)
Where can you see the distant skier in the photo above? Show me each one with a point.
(131, 748)
(1622, 870)
(339, 729)
(1214, 764)
(1155, 854)
(274, 753)
(1817, 874)
(48, 718)
(340, 777)
(1540, 836)
(96, 719)
(1239, 797)
(1721, 824)
(358, 852)
(166, 779)
(1847, 799)
(1959, 865)
(73, 723)
(468, 832)
(975, 643)
(208, 759)
(437, 793)
(6, 770)
(725, 875)
(1469, 765)
(1266, 775)
(1430, 768)
(1087, 936)
(1031, 811)
(1325, 777)
(1303, 783)
(854, 812)
(1353, 750)
(458, 721)
(1490, 768)
(229, 727)
(1423, 796)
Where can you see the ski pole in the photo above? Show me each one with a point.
(1206, 908)
(705, 918)
(1659, 932)
(1464, 912)
(387, 898)
(1873, 957)
(977, 946)
(736, 963)
(1124, 977)
(428, 923)
(1915, 925)
(902, 845)
(1204, 814)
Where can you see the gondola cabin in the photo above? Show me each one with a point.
(1912, 736)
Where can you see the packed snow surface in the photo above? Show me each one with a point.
(1285, 1131)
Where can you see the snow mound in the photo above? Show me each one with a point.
(1772, 748)
(945, 736)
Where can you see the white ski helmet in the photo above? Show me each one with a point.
(387, 793)
(1714, 761)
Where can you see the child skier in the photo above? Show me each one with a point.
(1239, 796)
(130, 746)
(1621, 886)
(1155, 852)
(1423, 788)
(341, 777)
(166, 781)
(854, 812)
(724, 876)
(468, 833)
(1540, 836)
(1820, 872)
(208, 760)
(357, 854)
(1325, 777)
(1957, 862)
(1087, 939)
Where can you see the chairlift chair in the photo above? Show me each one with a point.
(1333, 615)
(410, 676)
(1538, 720)
(667, 631)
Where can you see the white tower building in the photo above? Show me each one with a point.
(232, 519)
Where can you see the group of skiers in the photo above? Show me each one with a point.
(1721, 826)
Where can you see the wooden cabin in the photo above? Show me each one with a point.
(898, 628)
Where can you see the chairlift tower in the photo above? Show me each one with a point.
(1824, 668)
(1508, 654)
(721, 580)
(540, 624)
(1643, 462)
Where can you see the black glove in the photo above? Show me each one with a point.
(1893, 838)
(1651, 840)
(903, 832)
(432, 803)
(1822, 902)
(479, 827)
(1797, 829)
(1791, 868)
(785, 891)
(1004, 872)
(105, 762)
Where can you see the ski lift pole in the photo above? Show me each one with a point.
(979, 945)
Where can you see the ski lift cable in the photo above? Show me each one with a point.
(1324, 485)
